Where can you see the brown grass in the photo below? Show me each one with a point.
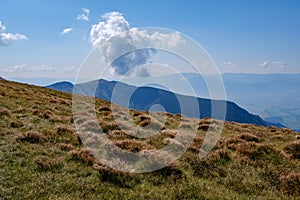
(108, 126)
(104, 109)
(16, 124)
(82, 155)
(65, 147)
(196, 144)
(169, 133)
(31, 137)
(172, 171)
(5, 112)
(121, 179)
(64, 130)
(118, 134)
(46, 163)
(293, 149)
(272, 129)
(290, 184)
(248, 137)
(133, 145)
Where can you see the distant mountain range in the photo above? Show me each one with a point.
(143, 98)
(275, 97)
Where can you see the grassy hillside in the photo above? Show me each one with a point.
(41, 156)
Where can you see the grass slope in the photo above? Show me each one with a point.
(41, 156)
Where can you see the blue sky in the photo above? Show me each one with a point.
(241, 36)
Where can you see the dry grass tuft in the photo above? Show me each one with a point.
(248, 137)
(169, 133)
(5, 112)
(44, 114)
(272, 129)
(16, 124)
(286, 130)
(173, 171)
(82, 155)
(290, 184)
(144, 123)
(104, 109)
(121, 179)
(118, 134)
(65, 147)
(196, 144)
(109, 126)
(293, 149)
(133, 145)
(136, 113)
(203, 127)
(31, 137)
(46, 163)
(64, 130)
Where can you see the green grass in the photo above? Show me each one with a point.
(42, 157)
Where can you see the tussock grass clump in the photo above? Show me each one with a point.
(118, 134)
(210, 166)
(46, 163)
(248, 137)
(121, 179)
(136, 113)
(46, 114)
(53, 101)
(293, 149)
(203, 127)
(204, 124)
(133, 145)
(82, 155)
(144, 122)
(173, 171)
(31, 137)
(16, 124)
(64, 130)
(286, 130)
(104, 109)
(169, 133)
(196, 144)
(108, 126)
(65, 147)
(5, 112)
(290, 184)
(272, 129)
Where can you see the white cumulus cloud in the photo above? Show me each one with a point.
(44, 68)
(280, 63)
(128, 40)
(66, 31)
(2, 27)
(229, 64)
(23, 68)
(72, 69)
(264, 64)
(85, 15)
(114, 23)
(14, 69)
(7, 38)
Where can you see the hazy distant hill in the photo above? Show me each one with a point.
(275, 97)
(145, 97)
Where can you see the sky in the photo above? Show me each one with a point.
(52, 38)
